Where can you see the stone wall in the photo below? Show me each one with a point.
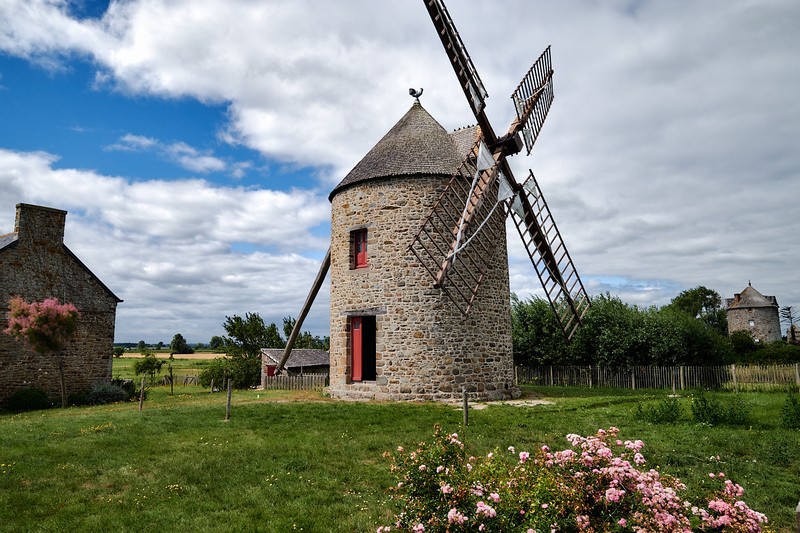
(38, 266)
(425, 348)
(762, 322)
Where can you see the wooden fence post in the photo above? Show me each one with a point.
(733, 372)
(551, 375)
(797, 374)
(633, 380)
(228, 406)
(466, 406)
(683, 384)
(141, 394)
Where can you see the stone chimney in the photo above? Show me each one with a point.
(37, 223)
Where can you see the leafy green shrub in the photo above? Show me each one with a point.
(713, 413)
(148, 365)
(790, 412)
(106, 393)
(244, 372)
(707, 411)
(128, 385)
(666, 411)
(77, 399)
(738, 412)
(28, 399)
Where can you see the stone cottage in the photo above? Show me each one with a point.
(393, 335)
(36, 264)
(752, 311)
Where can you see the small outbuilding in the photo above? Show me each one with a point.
(301, 361)
(35, 264)
(755, 313)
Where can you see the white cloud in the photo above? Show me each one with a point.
(180, 153)
(670, 157)
(166, 248)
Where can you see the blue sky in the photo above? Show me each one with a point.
(194, 143)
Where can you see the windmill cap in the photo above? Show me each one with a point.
(416, 146)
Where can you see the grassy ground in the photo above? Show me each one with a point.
(300, 462)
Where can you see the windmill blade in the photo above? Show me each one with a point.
(467, 75)
(549, 256)
(312, 294)
(532, 99)
(456, 242)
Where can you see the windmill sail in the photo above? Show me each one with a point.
(462, 64)
(549, 256)
(532, 99)
(467, 210)
(456, 243)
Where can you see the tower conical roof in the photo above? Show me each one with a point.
(750, 298)
(416, 145)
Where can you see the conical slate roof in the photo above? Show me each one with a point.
(750, 298)
(416, 145)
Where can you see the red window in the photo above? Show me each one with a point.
(359, 240)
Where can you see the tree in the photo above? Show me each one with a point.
(245, 339)
(247, 336)
(703, 304)
(304, 339)
(216, 342)
(46, 327)
(141, 347)
(118, 351)
(148, 365)
(788, 316)
(179, 345)
(536, 334)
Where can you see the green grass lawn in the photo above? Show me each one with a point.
(300, 462)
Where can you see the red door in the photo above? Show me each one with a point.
(355, 339)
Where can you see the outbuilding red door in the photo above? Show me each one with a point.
(356, 347)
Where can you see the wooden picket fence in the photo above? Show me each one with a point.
(296, 382)
(730, 377)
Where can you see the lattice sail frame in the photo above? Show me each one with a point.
(462, 64)
(549, 255)
(459, 270)
(532, 99)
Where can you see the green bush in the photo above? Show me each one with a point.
(667, 411)
(244, 372)
(127, 385)
(106, 393)
(713, 413)
(29, 399)
(790, 412)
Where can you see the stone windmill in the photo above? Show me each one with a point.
(420, 306)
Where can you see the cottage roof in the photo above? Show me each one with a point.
(7, 239)
(416, 145)
(750, 298)
(299, 357)
(10, 238)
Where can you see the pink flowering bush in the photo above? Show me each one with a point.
(45, 326)
(600, 483)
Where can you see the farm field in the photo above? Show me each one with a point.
(302, 462)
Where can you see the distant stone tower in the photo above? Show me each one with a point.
(752, 311)
(393, 335)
